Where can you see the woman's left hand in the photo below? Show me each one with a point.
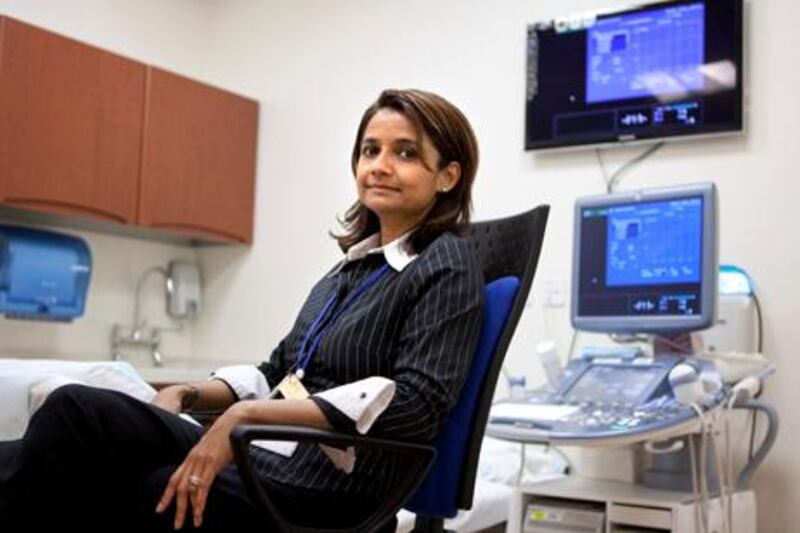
(190, 483)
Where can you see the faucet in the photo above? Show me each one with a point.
(122, 336)
(179, 306)
(137, 335)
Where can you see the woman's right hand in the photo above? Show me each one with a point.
(171, 398)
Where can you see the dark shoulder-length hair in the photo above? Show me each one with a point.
(452, 136)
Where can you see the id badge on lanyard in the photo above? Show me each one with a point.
(291, 388)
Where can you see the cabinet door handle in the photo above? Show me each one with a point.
(66, 208)
(203, 231)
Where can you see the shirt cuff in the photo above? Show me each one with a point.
(246, 381)
(361, 401)
(339, 420)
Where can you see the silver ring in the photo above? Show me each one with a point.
(194, 480)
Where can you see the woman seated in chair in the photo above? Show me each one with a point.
(404, 303)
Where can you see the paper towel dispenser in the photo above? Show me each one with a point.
(43, 275)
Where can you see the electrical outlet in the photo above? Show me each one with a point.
(553, 293)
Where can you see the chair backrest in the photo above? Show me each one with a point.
(508, 250)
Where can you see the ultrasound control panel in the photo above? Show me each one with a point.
(597, 399)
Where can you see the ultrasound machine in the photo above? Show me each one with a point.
(644, 264)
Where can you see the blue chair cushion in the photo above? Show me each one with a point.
(437, 496)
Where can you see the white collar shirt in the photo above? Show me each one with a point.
(398, 253)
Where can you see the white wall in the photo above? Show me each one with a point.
(172, 34)
(169, 34)
(316, 64)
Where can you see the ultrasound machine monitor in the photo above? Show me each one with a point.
(665, 70)
(646, 261)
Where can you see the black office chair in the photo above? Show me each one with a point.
(443, 482)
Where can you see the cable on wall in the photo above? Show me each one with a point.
(613, 180)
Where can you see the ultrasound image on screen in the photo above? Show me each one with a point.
(660, 70)
(650, 53)
(642, 258)
(656, 243)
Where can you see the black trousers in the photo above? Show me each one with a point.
(99, 460)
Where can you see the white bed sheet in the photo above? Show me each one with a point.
(489, 507)
(498, 474)
(19, 376)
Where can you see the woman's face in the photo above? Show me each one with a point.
(397, 176)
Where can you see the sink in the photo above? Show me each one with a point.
(166, 375)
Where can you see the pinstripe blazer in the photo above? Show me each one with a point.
(418, 326)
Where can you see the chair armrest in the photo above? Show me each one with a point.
(243, 435)
(251, 432)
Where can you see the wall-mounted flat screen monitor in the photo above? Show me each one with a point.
(655, 71)
(645, 261)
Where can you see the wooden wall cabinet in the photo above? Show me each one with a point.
(89, 135)
(70, 125)
(198, 161)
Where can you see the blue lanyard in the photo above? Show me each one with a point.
(315, 337)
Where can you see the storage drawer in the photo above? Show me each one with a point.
(636, 515)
